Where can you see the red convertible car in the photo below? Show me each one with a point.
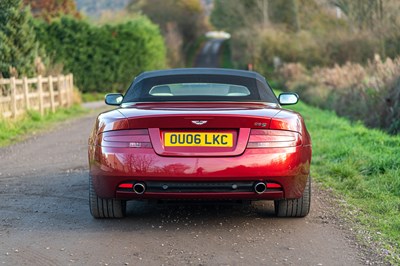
(201, 134)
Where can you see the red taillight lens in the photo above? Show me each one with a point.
(126, 185)
(135, 138)
(260, 138)
(273, 186)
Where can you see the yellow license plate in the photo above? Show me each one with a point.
(197, 139)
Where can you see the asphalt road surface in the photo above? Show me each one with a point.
(45, 219)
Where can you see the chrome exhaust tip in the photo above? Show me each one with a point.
(260, 188)
(139, 188)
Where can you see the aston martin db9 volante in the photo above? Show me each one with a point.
(199, 134)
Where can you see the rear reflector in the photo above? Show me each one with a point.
(260, 138)
(136, 138)
(273, 185)
(125, 185)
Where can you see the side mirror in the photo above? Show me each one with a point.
(288, 98)
(114, 98)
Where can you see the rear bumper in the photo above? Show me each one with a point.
(288, 167)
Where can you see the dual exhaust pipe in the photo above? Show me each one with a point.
(140, 188)
(260, 187)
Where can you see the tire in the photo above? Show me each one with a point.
(295, 207)
(105, 208)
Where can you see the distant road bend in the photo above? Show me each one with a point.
(209, 55)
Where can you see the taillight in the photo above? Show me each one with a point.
(273, 186)
(135, 138)
(126, 186)
(260, 138)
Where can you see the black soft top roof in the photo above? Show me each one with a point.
(259, 89)
(200, 71)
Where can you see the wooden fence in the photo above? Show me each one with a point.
(40, 94)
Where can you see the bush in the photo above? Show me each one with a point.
(305, 47)
(293, 47)
(103, 58)
(391, 113)
(368, 93)
(392, 46)
(341, 47)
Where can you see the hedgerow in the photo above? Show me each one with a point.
(103, 58)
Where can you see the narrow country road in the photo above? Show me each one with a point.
(208, 56)
(45, 219)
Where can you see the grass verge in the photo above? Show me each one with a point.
(93, 96)
(362, 166)
(225, 55)
(12, 131)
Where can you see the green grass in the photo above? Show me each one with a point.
(193, 49)
(225, 55)
(362, 166)
(12, 131)
(93, 96)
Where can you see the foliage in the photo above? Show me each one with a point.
(308, 31)
(113, 17)
(50, 9)
(93, 97)
(368, 93)
(363, 167)
(181, 23)
(233, 15)
(225, 55)
(103, 58)
(362, 13)
(193, 50)
(18, 45)
(186, 14)
(284, 12)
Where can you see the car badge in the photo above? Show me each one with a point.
(199, 122)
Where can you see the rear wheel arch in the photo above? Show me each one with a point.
(295, 207)
(105, 208)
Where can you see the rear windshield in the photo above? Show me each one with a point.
(199, 88)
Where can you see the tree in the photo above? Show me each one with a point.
(49, 9)
(232, 15)
(181, 22)
(18, 45)
(188, 15)
(361, 13)
(378, 16)
(284, 12)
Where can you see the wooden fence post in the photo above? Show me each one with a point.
(13, 88)
(40, 94)
(59, 77)
(71, 89)
(66, 91)
(51, 89)
(26, 93)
